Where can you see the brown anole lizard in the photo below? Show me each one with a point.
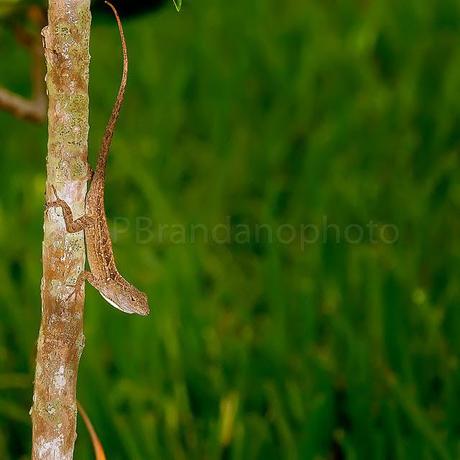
(104, 275)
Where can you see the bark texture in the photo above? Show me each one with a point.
(61, 339)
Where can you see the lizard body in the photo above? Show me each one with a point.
(104, 275)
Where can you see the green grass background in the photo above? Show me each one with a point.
(260, 112)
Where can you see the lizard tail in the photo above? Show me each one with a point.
(108, 134)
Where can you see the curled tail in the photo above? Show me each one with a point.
(108, 134)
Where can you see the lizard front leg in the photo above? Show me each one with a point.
(82, 277)
(72, 225)
(95, 282)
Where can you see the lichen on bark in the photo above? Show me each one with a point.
(61, 339)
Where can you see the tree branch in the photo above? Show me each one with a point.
(61, 339)
(20, 107)
(29, 109)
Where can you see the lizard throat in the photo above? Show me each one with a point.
(111, 302)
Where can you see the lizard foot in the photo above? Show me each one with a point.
(77, 291)
(90, 173)
(75, 294)
(57, 203)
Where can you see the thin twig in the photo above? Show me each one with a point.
(20, 107)
(97, 445)
(33, 109)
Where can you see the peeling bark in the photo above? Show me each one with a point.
(61, 339)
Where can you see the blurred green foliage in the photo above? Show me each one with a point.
(260, 112)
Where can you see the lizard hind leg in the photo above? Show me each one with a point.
(72, 225)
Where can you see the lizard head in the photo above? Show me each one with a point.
(129, 300)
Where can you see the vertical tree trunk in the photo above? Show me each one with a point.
(61, 339)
